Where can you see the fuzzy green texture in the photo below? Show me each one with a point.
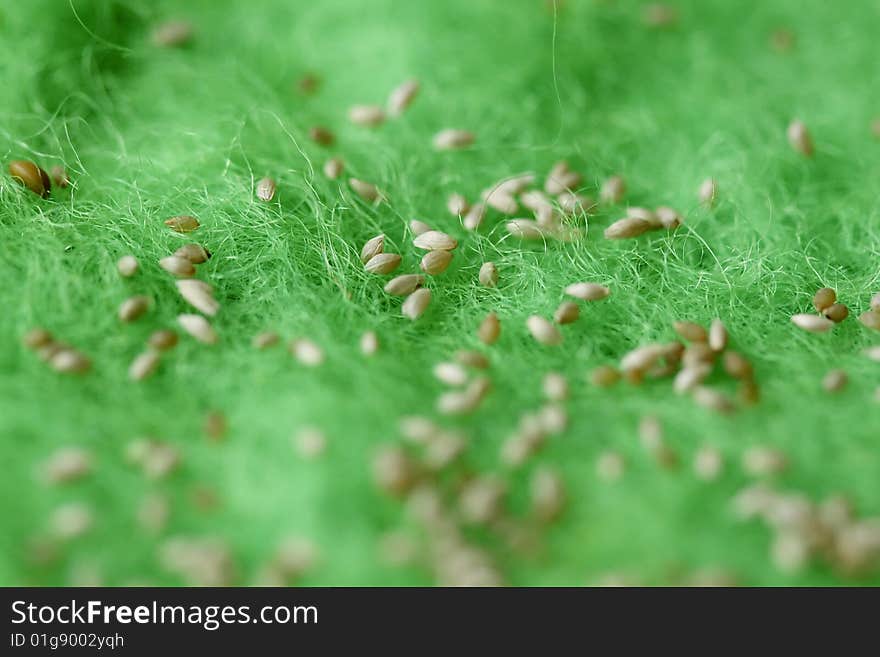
(148, 133)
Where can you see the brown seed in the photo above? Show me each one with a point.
(668, 217)
(416, 303)
(812, 323)
(67, 464)
(604, 376)
(708, 192)
(712, 399)
(266, 189)
(626, 228)
(182, 223)
(321, 135)
(366, 115)
(143, 365)
(369, 193)
(199, 295)
(526, 229)
(572, 203)
(404, 285)
(177, 266)
(434, 240)
(195, 253)
(333, 168)
(306, 352)
(697, 353)
(162, 340)
(782, 39)
(373, 247)
(457, 205)
(127, 266)
(198, 327)
(799, 138)
(265, 340)
(875, 128)
(717, 335)
(36, 338)
(708, 463)
(472, 359)
(641, 359)
(875, 303)
(451, 139)
(543, 331)
(489, 329)
(824, 298)
(871, 319)
(488, 275)
(659, 15)
(383, 263)
(215, 425)
(308, 83)
(749, 392)
(31, 176)
(452, 374)
(547, 494)
(555, 386)
(474, 216)
(369, 343)
(70, 361)
(567, 313)
(613, 190)
(587, 291)
(834, 381)
(133, 308)
(59, 176)
(761, 460)
(836, 312)
(690, 331)
(736, 365)
(561, 178)
(172, 34)
(436, 262)
(402, 97)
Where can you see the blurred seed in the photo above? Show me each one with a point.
(452, 374)
(436, 262)
(451, 139)
(31, 176)
(177, 266)
(36, 338)
(306, 352)
(490, 329)
(127, 266)
(875, 128)
(195, 253)
(67, 464)
(393, 470)
(383, 263)
(308, 83)
(555, 386)
(418, 227)
(199, 295)
(690, 376)
(561, 178)
(543, 330)
(790, 552)
(760, 461)
(48, 351)
(812, 323)
(572, 203)
(836, 312)
(182, 223)
(418, 429)
(172, 34)
(198, 327)
(690, 331)
(71, 520)
(717, 335)
(604, 376)
(499, 200)
(799, 138)
(310, 442)
(613, 190)
(610, 466)
(366, 115)
(457, 205)
(59, 177)
(488, 275)
(266, 189)
(333, 168)
(144, 365)
(369, 343)
(434, 240)
(871, 319)
(472, 359)
(547, 494)
(567, 313)
(736, 365)
(404, 284)
(626, 228)
(587, 291)
(322, 136)
(133, 307)
(553, 418)
(641, 358)
(712, 399)
(465, 401)
(474, 216)
(873, 353)
(668, 217)
(481, 500)
(265, 340)
(749, 392)
(659, 15)
(526, 229)
(782, 39)
(153, 513)
(513, 185)
(824, 298)
(368, 192)
(708, 192)
(708, 463)
(402, 97)
(416, 303)
(834, 381)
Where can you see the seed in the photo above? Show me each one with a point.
(195, 253)
(799, 138)
(310, 442)
(736, 365)
(613, 190)
(177, 266)
(548, 494)
(812, 323)
(543, 330)
(690, 331)
(59, 176)
(567, 313)
(321, 135)
(466, 401)
(488, 275)
(366, 115)
(627, 228)
(266, 189)
(133, 308)
(871, 319)
(537, 202)
(472, 359)
(489, 329)
(67, 464)
(333, 168)
(644, 214)
(587, 291)
(513, 185)
(31, 176)
(474, 216)
(69, 361)
(641, 359)
(416, 303)
(199, 295)
(393, 471)
(436, 262)
(875, 128)
(668, 217)
(836, 312)
(760, 460)
(404, 284)
(418, 227)
(555, 386)
(369, 193)
(182, 223)
(873, 353)
(434, 240)
(561, 178)
(610, 466)
(782, 39)
(504, 203)
(875, 303)
(265, 340)
(712, 399)
(452, 374)
(369, 343)
(383, 263)
(457, 205)
(572, 203)
(749, 392)
(127, 266)
(481, 500)
(373, 247)
(143, 365)
(418, 429)
(824, 298)
(308, 83)
(690, 377)
(71, 520)
(172, 34)
(36, 338)
(526, 229)
(717, 335)
(604, 376)
(659, 15)
(708, 191)
(451, 139)
(834, 381)
(198, 327)
(708, 463)
(402, 97)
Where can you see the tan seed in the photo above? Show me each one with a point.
(127, 266)
(526, 229)
(265, 340)
(177, 266)
(834, 381)
(708, 463)
(717, 335)
(836, 312)
(610, 466)
(368, 192)
(59, 177)
(37, 338)
(333, 168)
(393, 470)
(875, 303)
(451, 139)
(567, 313)
(402, 97)
(489, 329)
(587, 291)
(70, 361)
(760, 461)
(416, 303)
(162, 340)
(613, 190)
(712, 399)
(659, 15)
(404, 284)
(199, 295)
(689, 377)
(383, 263)
(555, 386)
(543, 331)
(645, 214)
(71, 520)
(875, 128)
(452, 374)
(369, 343)
(68, 464)
(373, 247)
(736, 365)
(198, 327)
(366, 115)
(31, 176)
(195, 253)
(561, 178)
(641, 359)
(144, 365)
(604, 376)
(626, 228)
(668, 217)
(547, 494)
(799, 138)
(481, 500)
(434, 240)
(310, 442)
(572, 203)
(824, 298)
(504, 203)
(457, 205)
(306, 352)
(418, 227)
(708, 192)
(436, 262)
(488, 275)
(472, 359)
(133, 307)
(266, 189)
(812, 323)
(182, 223)
(321, 135)
(871, 319)
(474, 216)
(172, 34)
(873, 353)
